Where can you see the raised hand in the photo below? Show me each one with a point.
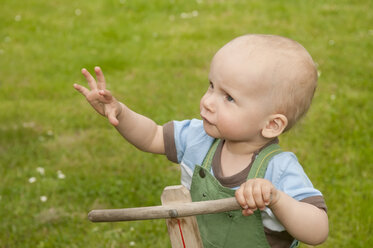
(99, 97)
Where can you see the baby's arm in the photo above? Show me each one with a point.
(139, 130)
(303, 221)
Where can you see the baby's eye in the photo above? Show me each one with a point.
(229, 98)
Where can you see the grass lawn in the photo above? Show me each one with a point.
(59, 159)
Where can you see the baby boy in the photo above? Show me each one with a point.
(259, 87)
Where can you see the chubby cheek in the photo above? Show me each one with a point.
(227, 123)
(233, 126)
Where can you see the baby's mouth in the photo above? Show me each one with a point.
(206, 120)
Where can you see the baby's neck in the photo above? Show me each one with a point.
(242, 148)
(236, 156)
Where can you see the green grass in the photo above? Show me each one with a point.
(157, 63)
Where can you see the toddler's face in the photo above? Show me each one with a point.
(236, 104)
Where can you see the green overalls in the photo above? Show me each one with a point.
(229, 229)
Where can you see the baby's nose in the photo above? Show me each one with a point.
(208, 103)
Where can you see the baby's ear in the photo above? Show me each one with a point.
(275, 125)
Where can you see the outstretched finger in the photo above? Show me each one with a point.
(83, 90)
(101, 84)
(91, 81)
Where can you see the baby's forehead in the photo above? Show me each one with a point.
(272, 61)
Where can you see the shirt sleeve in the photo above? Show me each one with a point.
(287, 175)
(169, 141)
(317, 201)
(186, 140)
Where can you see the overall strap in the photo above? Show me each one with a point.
(210, 154)
(227, 229)
(260, 164)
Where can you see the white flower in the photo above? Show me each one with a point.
(28, 124)
(60, 175)
(32, 180)
(192, 14)
(18, 18)
(78, 12)
(50, 133)
(43, 198)
(132, 243)
(40, 170)
(184, 15)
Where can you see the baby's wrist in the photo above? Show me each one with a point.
(275, 199)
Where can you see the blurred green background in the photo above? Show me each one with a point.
(59, 159)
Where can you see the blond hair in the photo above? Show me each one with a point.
(293, 74)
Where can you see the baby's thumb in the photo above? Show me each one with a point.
(112, 118)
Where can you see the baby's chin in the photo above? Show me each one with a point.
(211, 130)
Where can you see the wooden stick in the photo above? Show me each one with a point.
(164, 212)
